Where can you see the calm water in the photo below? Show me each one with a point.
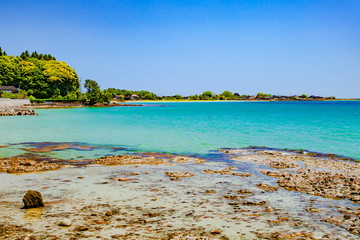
(196, 128)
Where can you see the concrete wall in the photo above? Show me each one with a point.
(7, 102)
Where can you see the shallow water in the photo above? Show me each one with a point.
(193, 127)
(84, 194)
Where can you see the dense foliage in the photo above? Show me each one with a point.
(123, 94)
(94, 94)
(40, 75)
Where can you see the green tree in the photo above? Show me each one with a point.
(40, 78)
(228, 95)
(34, 55)
(263, 95)
(25, 55)
(93, 91)
(206, 95)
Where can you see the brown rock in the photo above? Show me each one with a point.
(33, 199)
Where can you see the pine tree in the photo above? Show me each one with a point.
(22, 55)
(1, 52)
(25, 55)
(35, 55)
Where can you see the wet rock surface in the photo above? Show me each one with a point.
(323, 183)
(179, 174)
(24, 165)
(227, 171)
(135, 199)
(321, 175)
(129, 160)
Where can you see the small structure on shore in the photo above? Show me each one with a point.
(134, 97)
(11, 89)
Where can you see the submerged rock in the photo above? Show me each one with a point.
(33, 199)
(179, 174)
(129, 160)
(227, 171)
(65, 223)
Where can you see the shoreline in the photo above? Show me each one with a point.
(257, 100)
(140, 103)
(164, 196)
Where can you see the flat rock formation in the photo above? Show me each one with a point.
(26, 165)
(316, 174)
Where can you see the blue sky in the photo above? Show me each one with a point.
(187, 47)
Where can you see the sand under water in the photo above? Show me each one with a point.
(252, 193)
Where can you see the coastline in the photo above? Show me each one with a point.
(257, 100)
(246, 193)
(138, 103)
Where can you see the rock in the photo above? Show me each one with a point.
(8, 111)
(313, 210)
(210, 191)
(227, 171)
(125, 179)
(251, 203)
(179, 174)
(26, 164)
(81, 229)
(109, 213)
(267, 187)
(33, 199)
(185, 159)
(216, 232)
(129, 160)
(65, 223)
(282, 164)
(244, 191)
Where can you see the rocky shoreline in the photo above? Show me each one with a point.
(8, 111)
(256, 194)
(51, 105)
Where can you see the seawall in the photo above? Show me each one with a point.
(13, 103)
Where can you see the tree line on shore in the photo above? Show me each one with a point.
(41, 76)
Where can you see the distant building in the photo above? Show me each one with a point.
(134, 97)
(11, 89)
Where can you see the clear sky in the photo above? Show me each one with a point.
(189, 46)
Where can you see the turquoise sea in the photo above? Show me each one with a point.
(193, 127)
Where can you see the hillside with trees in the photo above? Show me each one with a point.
(39, 75)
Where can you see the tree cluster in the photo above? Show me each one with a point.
(25, 55)
(2, 53)
(123, 94)
(40, 75)
(94, 94)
